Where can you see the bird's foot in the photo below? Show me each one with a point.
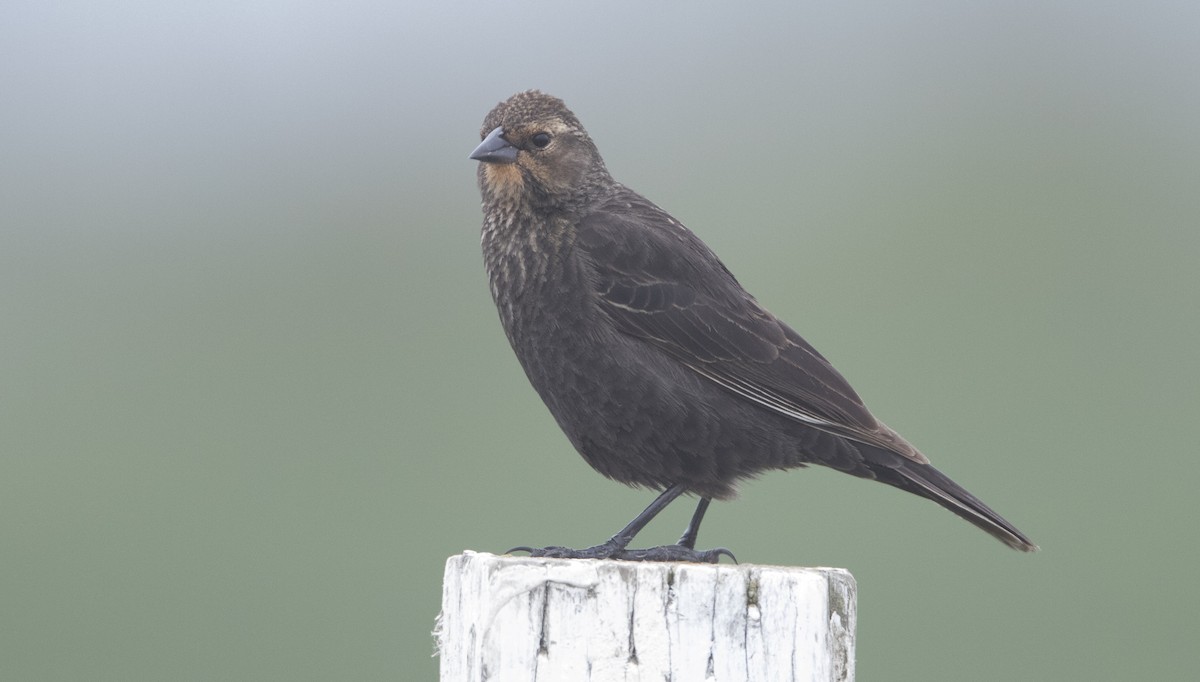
(607, 550)
(676, 553)
(611, 550)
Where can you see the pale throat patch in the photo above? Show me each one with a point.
(504, 179)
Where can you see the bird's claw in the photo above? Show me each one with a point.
(673, 553)
(605, 551)
(677, 553)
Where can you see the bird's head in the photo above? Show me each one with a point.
(535, 151)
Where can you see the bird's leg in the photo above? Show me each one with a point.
(614, 548)
(617, 543)
(685, 549)
(624, 536)
(688, 539)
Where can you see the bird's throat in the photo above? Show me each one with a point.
(503, 181)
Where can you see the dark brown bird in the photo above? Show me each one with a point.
(659, 367)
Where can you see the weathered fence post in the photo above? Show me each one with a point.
(507, 618)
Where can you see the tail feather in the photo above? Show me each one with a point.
(928, 482)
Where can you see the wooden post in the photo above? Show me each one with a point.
(507, 618)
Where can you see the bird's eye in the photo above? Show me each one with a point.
(540, 140)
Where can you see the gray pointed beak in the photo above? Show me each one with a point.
(495, 149)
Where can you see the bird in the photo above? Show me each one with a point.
(659, 367)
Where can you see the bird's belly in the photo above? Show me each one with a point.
(639, 417)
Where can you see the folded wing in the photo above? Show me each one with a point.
(658, 282)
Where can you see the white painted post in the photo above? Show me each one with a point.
(507, 618)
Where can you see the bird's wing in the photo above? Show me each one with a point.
(657, 281)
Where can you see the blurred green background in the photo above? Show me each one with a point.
(253, 390)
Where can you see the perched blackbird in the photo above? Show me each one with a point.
(661, 370)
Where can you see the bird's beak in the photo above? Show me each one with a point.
(495, 149)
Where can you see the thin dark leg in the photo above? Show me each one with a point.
(617, 543)
(624, 536)
(614, 548)
(688, 539)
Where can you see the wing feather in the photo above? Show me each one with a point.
(658, 282)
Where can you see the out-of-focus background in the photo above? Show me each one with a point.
(253, 391)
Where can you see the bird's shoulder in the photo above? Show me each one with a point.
(654, 276)
(628, 234)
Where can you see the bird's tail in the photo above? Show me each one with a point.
(928, 482)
